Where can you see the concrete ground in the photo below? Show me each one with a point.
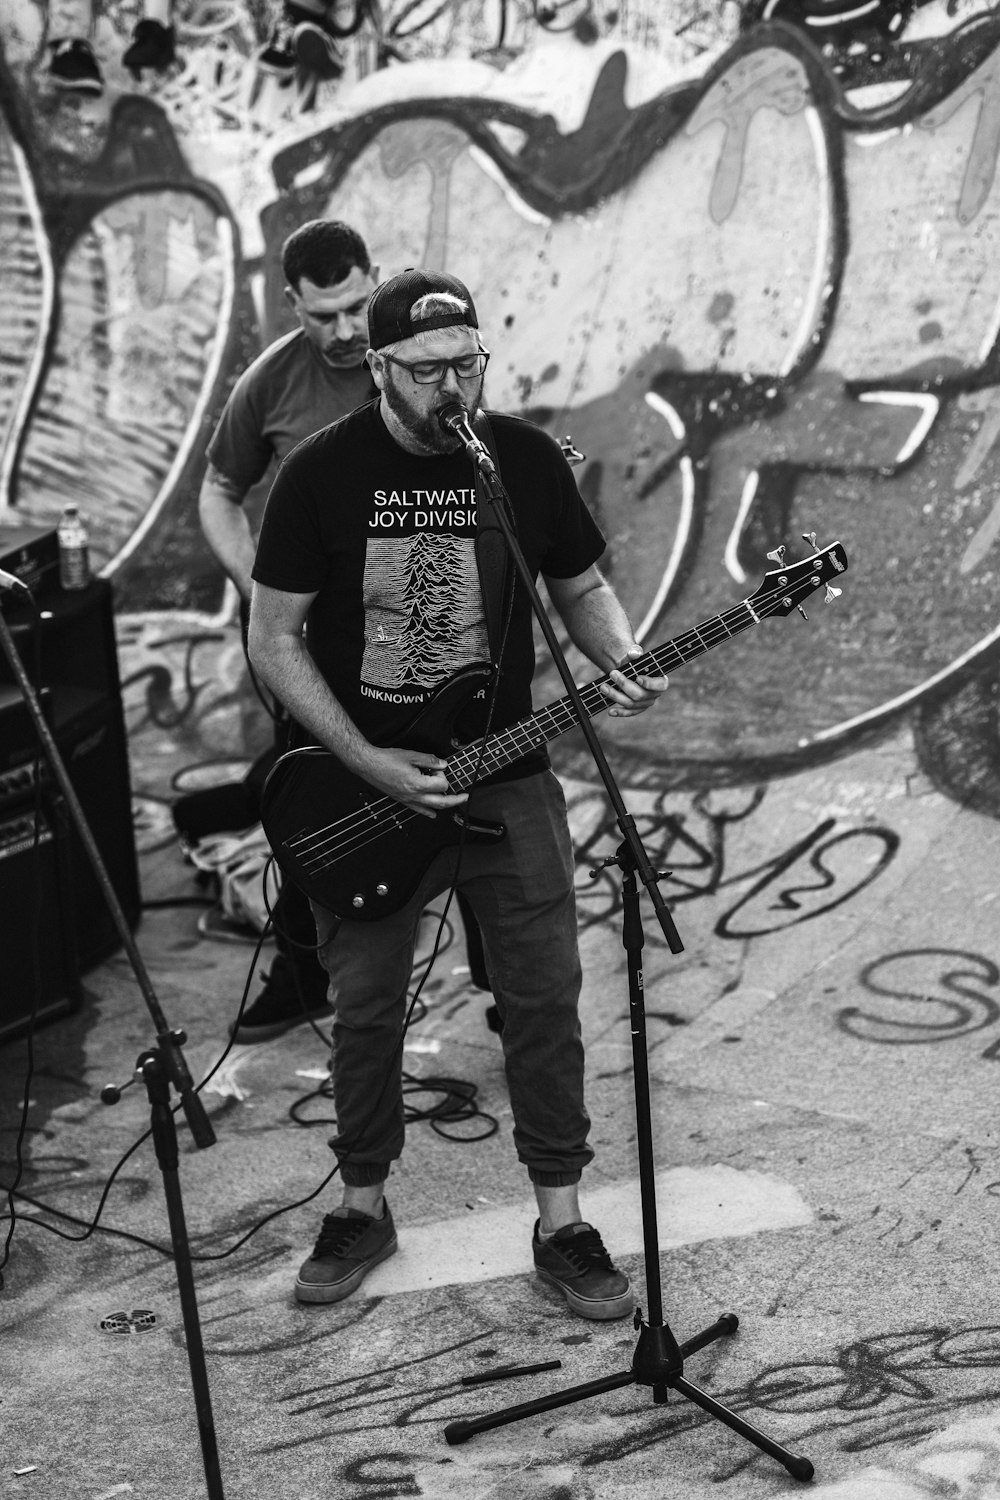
(823, 1063)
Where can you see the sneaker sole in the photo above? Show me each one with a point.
(605, 1311)
(212, 924)
(310, 1291)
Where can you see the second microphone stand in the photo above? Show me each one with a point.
(159, 1067)
(658, 1359)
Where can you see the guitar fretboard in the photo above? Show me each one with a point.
(474, 761)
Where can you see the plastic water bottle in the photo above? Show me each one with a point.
(74, 559)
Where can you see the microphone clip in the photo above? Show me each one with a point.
(455, 418)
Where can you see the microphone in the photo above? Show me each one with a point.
(454, 417)
(12, 582)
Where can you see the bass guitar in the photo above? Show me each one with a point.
(362, 854)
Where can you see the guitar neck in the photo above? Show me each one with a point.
(476, 761)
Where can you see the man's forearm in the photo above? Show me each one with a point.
(285, 666)
(599, 626)
(227, 529)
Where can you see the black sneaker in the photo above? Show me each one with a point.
(575, 1261)
(279, 1005)
(317, 51)
(152, 46)
(349, 1245)
(72, 65)
(220, 927)
(277, 56)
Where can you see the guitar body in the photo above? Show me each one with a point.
(349, 847)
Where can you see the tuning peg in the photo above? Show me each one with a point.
(810, 537)
(778, 555)
(801, 611)
(831, 594)
(571, 452)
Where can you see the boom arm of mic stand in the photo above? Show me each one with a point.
(168, 1040)
(498, 499)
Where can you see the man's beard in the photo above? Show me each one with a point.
(424, 428)
(346, 356)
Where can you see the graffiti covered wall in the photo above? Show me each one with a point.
(745, 256)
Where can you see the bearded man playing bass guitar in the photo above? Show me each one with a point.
(369, 595)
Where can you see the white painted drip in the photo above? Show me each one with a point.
(928, 406)
(820, 275)
(734, 567)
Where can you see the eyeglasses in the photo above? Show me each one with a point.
(433, 371)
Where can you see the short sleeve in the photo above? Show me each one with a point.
(238, 448)
(579, 542)
(290, 550)
(575, 540)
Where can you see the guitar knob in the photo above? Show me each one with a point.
(381, 890)
(357, 902)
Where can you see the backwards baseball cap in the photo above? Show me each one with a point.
(389, 306)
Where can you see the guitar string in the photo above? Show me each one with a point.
(347, 831)
(314, 850)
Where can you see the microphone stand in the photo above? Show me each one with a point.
(658, 1360)
(158, 1066)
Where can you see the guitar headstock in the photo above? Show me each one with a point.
(785, 587)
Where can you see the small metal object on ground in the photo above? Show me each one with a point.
(139, 1320)
(506, 1371)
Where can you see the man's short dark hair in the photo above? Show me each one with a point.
(325, 251)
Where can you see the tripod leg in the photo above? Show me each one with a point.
(458, 1432)
(728, 1323)
(799, 1468)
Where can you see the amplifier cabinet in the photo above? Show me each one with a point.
(36, 961)
(54, 918)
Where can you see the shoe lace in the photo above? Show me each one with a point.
(586, 1251)
(338, 1234)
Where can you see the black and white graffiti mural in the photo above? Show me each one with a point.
(746, 256)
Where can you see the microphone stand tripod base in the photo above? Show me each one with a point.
(658, 1362)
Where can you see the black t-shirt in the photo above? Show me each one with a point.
(386, 541)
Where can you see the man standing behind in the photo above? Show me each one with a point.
(301, 383)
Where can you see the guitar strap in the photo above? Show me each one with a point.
(496, 571)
